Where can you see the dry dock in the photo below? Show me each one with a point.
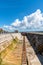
(19, 53)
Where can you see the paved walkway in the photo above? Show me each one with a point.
(31, 56)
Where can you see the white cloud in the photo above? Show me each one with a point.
(32, 22)
(16, 23)
(9, 28)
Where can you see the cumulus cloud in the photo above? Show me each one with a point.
(16, 23)
(32, 22)
(8, 28)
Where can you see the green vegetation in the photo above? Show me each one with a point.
(0, 59)
(1, 30)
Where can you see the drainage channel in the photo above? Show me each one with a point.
(24, 58)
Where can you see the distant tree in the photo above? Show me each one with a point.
(1, 30)
(16, 31)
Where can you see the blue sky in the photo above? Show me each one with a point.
(10, 10)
